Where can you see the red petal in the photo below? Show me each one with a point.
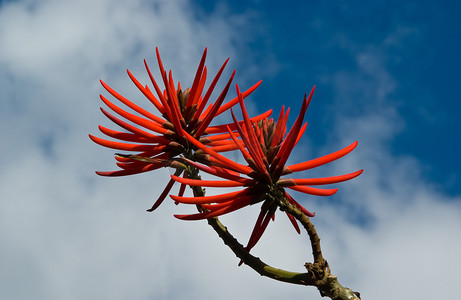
(238, 143)
(236, 100)
(217, 137)
(209, 117)
(166, 108)
(146, 93)
(216, 213)
(220, 172)
(223, 143)
(223, 128)
(130, 104)
(259, 228)
(209, 199)
(299, 206)
(164, 193)
(279, 127)
(290, 140)
(182, 188)
(172, 103)
(199, 99)
(224, 160)
(319, 181)
(123, 146)
(225, 148)
(133, 171)
(301, 132)
(319, 161)
(313, 191)
(293, 222)
(209, 183)
(210, 90)
(234, 201)
(154, 126)
(125, 136)
(248, 137)
(197, 78)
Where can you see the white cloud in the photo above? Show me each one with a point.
(68, 234)
(405, 228)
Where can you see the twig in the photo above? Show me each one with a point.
(318, 273)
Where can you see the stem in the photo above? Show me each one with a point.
(254, 262)
(318, 273)
(326, 283)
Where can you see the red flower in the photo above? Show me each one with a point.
(157, 140)
(266, 149)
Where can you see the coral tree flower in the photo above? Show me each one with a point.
(266, 149)
(156, 140)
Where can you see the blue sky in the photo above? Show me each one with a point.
(416, 42)
(386, 74)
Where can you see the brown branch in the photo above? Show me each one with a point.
(326, 283)
(318, 273)
(254, 262)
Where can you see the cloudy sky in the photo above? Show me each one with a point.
(386, 74)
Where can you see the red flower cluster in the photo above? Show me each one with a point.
(158, 140)
(182, 137)
(266, 149)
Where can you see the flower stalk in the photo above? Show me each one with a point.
(318, 273)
